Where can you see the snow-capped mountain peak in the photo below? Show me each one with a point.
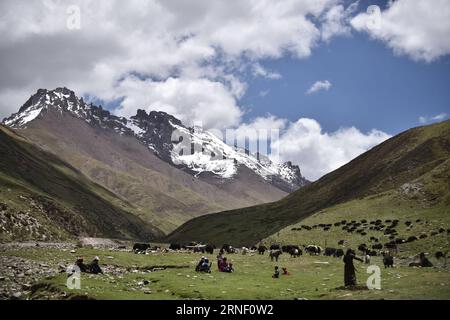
(60, 98)
(198, 151)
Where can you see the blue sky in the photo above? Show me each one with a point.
(371, 87)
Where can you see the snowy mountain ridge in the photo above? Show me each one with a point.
(156, 130)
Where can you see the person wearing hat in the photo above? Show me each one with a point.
(80, 264)
(94, 267)
(205, 266)
(200, 264)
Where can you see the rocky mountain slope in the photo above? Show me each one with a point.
(136, 159)
(413, 164)
(44, 198)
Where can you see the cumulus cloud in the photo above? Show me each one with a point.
(190, 100)
(260, 124)
(191, 40)
(419, 29)
(436, 118)
(336, 21)
(318, 152)
(260, 71)
(318, 86)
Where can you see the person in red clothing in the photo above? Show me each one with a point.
(219, 259)
(224, 266)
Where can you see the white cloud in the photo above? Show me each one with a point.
(191, 40)
(318, 152)
(436, 118)
(263, 93)
(260, 71)
(319, 85)
(269, 122)
(417, 28)
(190, 100)
(336, 21)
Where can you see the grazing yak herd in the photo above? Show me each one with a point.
(374, 246)
(389, 229)
(275, 250)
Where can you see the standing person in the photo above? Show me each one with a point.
(349, 268)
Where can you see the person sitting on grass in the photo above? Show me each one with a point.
(203, 265)
(199, 264)
(80, 264)
(94, 267)
(285, 272)
(206, 266)
(424, 262)
(224, 266)
(276, 274)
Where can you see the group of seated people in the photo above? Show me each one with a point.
(276, 274)
(92, 267)
(205, 266)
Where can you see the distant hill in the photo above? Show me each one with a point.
(417, 158)
(45, 198)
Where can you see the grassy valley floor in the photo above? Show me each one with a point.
(172, 276)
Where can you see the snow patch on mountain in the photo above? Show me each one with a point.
(21, 119)
(211, 154)
(200, 162)
(131, 124)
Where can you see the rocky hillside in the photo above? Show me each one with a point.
(44, 198)
(414, 163)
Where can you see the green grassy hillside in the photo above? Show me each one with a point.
(418, 155)
(42, 197)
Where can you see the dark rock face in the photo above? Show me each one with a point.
(298, 180)
(157, 129)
